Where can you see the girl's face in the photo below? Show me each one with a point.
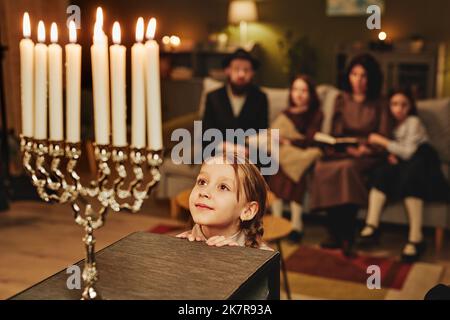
(400, 107)
(358, 79)
(300, 93)
(213, 201)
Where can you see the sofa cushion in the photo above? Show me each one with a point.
(436, 117)
(277, 100)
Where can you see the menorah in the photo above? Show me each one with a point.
(44, 161)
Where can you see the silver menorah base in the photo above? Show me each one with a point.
(43, 160)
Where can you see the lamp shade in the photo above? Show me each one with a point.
(242, 11)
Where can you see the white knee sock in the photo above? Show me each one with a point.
(296, 216)
(277, 208)
(377, 199)
(414, 207)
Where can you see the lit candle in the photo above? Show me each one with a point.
(137, 88)
(118, 95)
(99, 20)
(73, 86)
(152, 82)
(40, 85)
(100, 84)
(26, 78)
(55, 86)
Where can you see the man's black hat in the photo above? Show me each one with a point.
(241, 54)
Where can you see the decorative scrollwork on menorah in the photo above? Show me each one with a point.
(43, 160)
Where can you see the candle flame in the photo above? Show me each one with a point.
(41, 31)
(26, 25)
(151, 29)
(54, 33)
(98, 34)
(72, 32)
(99, 17)
(116, 33)
(140, 30)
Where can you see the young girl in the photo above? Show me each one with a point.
(297, 125)
(412, 174)
(227, 203)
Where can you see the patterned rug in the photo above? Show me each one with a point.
(332, 264)
(315, 273)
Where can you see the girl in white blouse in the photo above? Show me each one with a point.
(412, 174)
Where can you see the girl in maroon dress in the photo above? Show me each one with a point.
(305, 118)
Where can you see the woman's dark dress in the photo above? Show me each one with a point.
(340, 179)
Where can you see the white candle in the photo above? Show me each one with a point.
(137, 88)
(73, 86)
(99, 20)
(26, 78)
(100, 84)
(152, 81)
(40, 82)
(118, 94)
(55, 86)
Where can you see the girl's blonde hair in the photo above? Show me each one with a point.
(255, 189)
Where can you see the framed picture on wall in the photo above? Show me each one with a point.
(351, 7)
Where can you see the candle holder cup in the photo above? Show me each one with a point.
(43, 160)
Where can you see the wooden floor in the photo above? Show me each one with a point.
(38, 239)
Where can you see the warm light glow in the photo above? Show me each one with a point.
(99, 17)
(26, 25)
(72, 32)
(140, 30)
(382, 36)
(242, 10)
(116, 33)
(166, 40)
(41, 31)
(175, 41)
(98, 34)
(151, 29)
(54, 33)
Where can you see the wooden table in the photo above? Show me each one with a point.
(275, 229)
(153, 266)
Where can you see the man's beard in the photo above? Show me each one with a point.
(239, 89)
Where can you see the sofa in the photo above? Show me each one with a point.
(434, 113)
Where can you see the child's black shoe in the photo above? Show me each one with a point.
(419, 249)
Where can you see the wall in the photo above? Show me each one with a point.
(196, 19)
(11, 13)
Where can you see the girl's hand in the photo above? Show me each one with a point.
(375, 138)
(392, 159)
(352, 151)
(364, 150)
(220, 241)
(189, 235)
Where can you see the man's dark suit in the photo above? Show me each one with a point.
(219, 113)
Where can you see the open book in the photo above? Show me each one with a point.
(327, 139)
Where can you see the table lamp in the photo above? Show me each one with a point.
(241, 12)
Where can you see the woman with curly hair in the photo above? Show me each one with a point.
(340, 179)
